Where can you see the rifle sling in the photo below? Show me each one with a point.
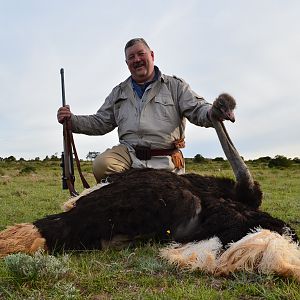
(69, 144)
(84, 182)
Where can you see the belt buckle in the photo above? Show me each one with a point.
(142, 152)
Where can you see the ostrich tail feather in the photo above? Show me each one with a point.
(23, 237)
(263, 251)
(193, 256)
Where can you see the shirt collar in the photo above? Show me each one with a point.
(140, 88)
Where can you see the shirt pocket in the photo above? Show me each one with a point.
(164, 108)
(121, 110)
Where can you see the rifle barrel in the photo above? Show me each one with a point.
(62, 87)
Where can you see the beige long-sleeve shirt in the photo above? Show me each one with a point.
(156, 120)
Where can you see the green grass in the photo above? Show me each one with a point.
(134, 273)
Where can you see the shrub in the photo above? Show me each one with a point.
(10, 159)
(218, 159)
(280, 161)
(198, 158)
(28, 169)
(296, 160)
(264, 159)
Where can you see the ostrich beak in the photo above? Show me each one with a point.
(229, 115)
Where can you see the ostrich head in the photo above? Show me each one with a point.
(223, 107)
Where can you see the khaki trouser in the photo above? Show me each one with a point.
(114, 160)
(118, 159)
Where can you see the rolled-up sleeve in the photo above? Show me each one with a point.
(192, 106)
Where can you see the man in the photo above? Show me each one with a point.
(149, 109)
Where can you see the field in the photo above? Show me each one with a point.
(30, 190)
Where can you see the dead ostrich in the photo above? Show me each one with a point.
(159, 205)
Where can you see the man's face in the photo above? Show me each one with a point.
(140, 62)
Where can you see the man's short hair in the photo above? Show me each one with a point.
(135, 41)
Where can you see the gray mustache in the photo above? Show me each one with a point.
(138, 64)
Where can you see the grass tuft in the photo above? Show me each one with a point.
(24, 267)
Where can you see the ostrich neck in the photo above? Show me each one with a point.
(241, 171)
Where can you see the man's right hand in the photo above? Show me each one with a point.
(63, 114)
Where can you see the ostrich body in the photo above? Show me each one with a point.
(157, 204)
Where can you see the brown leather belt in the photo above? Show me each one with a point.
(162, 152)
(145, 153)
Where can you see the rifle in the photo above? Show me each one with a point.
(67, 163)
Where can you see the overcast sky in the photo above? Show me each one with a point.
(250, 49)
